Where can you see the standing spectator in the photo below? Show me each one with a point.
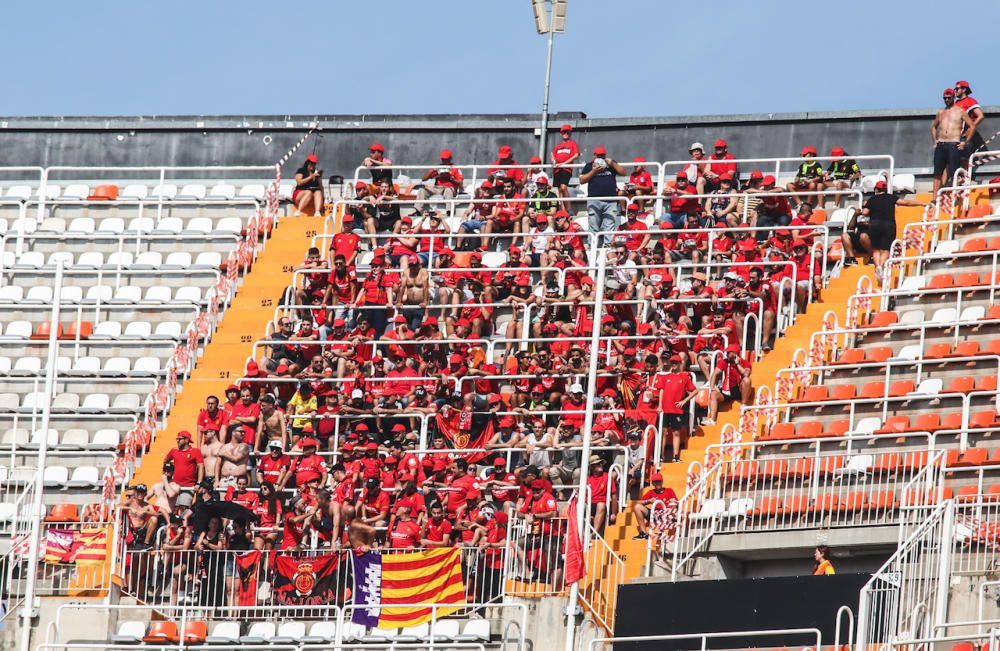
(235, 456)
(946, 132)
(675, 389)
(188, 462)
(274, 468)
(270, 426)
(211, 418)
(377, 292)
(346, 242)
(564, 154)
(809, 177)
(972, 138)
(823, 565)
(447, 179)
(378, 164)
(244, 416)
(599, 175)
(880, 209)
(301, 409)
(308, 193)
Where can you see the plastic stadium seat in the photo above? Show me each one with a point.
(967, 494)
(323, 633)
(851, 356)
(872, 390)
(254, 191)
(882, 501)
(198, 226)
(231, 225)
(951, 457)
(444, 630)
(878, 354)
(157, 294)
(797, 504)
(105, 439)
(884, 319)
(901, 388)
(843, 392)
(910, 352)
(25, 366)
(767, 506)
(63, 513)
(912, 317)
(75, 439)
(259, 633)
(966, 349)
(992, 493)
(744, 472)
(945, 316)
(838, 428)
(55, 476)
(801, 467)
(967, 279)
(129, 632)
(983, 419)
(225, 191)
(169, 225)
(913, 461)
(830, 465)
(475, 630)
(986, 383)
(977, 211)
(827, 503)
(167, 330)
(414, 634)
(83, 330)
(937, 351)
(208, 260)
(177, 260)
(161, 632)
(973, 245)
(44, 329)
(894, 425)
(887, 464)
(963, 384)
(855, 501)
(929, 497)
(993, 346)
(773, 468)
(781, 431)
(194, 632)
(137, 329)
(163, 191)
(972, 313)
(126, 402)
(224, 633)
(196, 191)
(809, 430)
(38, 294)
(814, 393)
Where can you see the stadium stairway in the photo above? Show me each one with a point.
(225, 356)
(834, 297)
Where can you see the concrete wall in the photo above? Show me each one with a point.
(257, 140)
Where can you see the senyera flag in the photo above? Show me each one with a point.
(427, 577)
(83, 547)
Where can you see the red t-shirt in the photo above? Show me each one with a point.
(514, 173)
(731, 374)
(436, 531)
(642, 178)
(450, 180)
(246, 499)
(242, 411)
(562, 152)
(665, 495)
(405, 535)
(462, 490)
(599, 488)
(633, 242)
(345, 244)
(342, 284)
(268, 521)
(307, 468)
(185, 465)
(673, 388)
(271, 468)
(292, 532)
(721, 168)
(208, 422)
(371, 507)
(682, 204)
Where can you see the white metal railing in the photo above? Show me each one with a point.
(605, 573)
(812, 638)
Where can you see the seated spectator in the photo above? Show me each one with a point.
(722, 209)
(476, 217)
(602, 494)
(301, 410)
(379, 166)
(695, 170)
(773, 210)
(505, 167)
(385, 215)
(680, 204)
(729, 381)
(855, 238)
(810, 176)
(447, 178)
(640, 184)
(308, 193)
(842, 174)
(714, 172)
(284, 353)
(643, 508)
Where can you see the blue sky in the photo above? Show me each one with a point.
(618, 57)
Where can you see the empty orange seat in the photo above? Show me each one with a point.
(803, 467)
(838, 428)
(745, 471)
(973, 245)
(879, 354)
(781, 431)
(774, 468)
(882, 501)
(195, 632)
(887, 464)
(977, 211)
(895, 424)
(966, 349)
(989, 278)
(901, 388)
(815, 393)
(797, 504)
(817, 217)
(973, 457)
(941, 281)
(951, 457)
(873, 390)
(883, 319)
(160, 632)
(993, 244)
(927, 423)
(993, 312)
(952, 420)
(104, 193)
(915, 460)
(963, 384)
(851, 356)
(967, 279)
(987, 383)
(992, 494)
(929, 497)
(43, 330)
(809, 430)
(994, 457)
(85, 328)
(983, 419)
(968, 493)
(830, 465)
(854, 501)
(767, 506)
(63, 513)
(827, 503)
(843, 392)
(937, 351)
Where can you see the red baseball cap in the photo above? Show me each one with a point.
(633, 206)
(504, 151)
(282, 368)
(726, 176)
(733, 348)
(252, 369)
(312, 158)
(881, 185)
(769, 180)
(964, 84)
(486, 185)
(372, 446)
(607, 318)
(308, 442)
(808, 150)
(399, 427)
(376, 147)
(681, 176)
(609, 393)
(499, 462)
(721, 143)
(390, 461)
(799, 243)
(629, 351)
(656, 476)
(184, 434)
(600, 150)
(476, 255)
(361, 427)
(534, 160)
(587, 280)
(756, 174)
(675, 358)
(339, 323)
(565, 127)
(948, 91)
(538, 388)
(539, 484)
(399, 319)
(638, 159)
(837, 151)
(360, 185)
(232, 387)
(430, 321)
(507, 421)
(542, 180)
(561, 213)
(445, 154)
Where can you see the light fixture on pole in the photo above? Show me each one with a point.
(550, 18)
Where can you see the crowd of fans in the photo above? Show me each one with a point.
(425, 398)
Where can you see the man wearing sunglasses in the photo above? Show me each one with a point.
(946, 131)
(380, 166)
(965, 101)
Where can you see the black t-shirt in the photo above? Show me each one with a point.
(380, 174)
(882, 210)
(312, 184)
(602, 184)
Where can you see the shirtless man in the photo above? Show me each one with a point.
(210, 450)
(166, 490)
(141, 522)
(416, 292)
(271, 425)
(946, 132)
(234, 456)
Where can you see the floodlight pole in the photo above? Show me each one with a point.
(545, 98)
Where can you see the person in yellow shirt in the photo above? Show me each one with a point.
(301, 408)
(823, 565)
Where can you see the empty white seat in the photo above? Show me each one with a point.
(171, 225)
(106, 439)
(285, 190)
(71, 294)
(127, 294)
(929, 386)
(134, 191)
(65, 402)
(126, 402)
(157, 294)
(24, 225)
(84, 477)
(252, 191)
(11, 294)
(857, 464)
(137, 330)
(19, 329)
(21, 192)
(8, 511)
(904, 183)
(150, 259)
(320, 633)
(444, 630)
(5, 365)
(83, 225)
(114, 225)
(911, 317)
(107, 330)
(289, 633)
(30, 260)
(259, 633)
(710, 508)
(944, 316)
(230, 225)
(192, 191)
(9, 401)
(208, 259)
(24, 475)
(494, 259)
(867, 425)
(39, 294)
(15, 438)
(912, 283)
(95, 403)
(55, 476)
(130, 632)
(223, 191)
(118, 366)
(972, 313)
(352, 632)
(27, 366)
(178, 260)
(199, 225)
(119, 260)
(946, 247)
(146, 365)
(79, 191)
(63, 364)
(90, 259)
(188, 294)
(141, 225)
(912, 351)
(224, 633)
(74, 439)
(99, 293)
(475, 630)
(167, 330)
(413, 634)
(164, 191)
(38, 437)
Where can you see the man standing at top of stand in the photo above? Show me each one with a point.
(965, 101)
(599, 175)
(946, 132)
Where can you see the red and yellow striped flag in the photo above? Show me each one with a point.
(427, 577)
(90, 547)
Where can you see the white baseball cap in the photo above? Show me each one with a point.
(696, 145)
(576, 388)
(357, 393)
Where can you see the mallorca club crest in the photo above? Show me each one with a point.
(304, 579)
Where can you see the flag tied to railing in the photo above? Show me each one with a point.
(83, 547)
(310, 581)
(427, 577)
(576, 569)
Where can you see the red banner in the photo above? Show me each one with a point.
(576, 569)
(461, 438)
(248, 568)
(308, 581)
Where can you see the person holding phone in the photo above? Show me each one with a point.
(308, 193)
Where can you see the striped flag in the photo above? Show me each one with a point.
(59, 545)
(85, 547)
(383, 580)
